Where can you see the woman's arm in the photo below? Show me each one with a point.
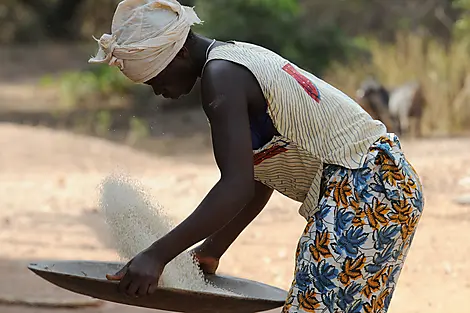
(225, 104)
(212, 249)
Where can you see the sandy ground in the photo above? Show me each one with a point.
(48, 201)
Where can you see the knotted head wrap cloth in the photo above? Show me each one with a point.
(146, 35)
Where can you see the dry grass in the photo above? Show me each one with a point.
(443, 71)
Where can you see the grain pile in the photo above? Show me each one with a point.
(135, 222)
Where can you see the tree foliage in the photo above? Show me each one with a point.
(280, 25)
(463, 24)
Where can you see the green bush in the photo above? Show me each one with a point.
(462, 27)
(101, 83)
(279, 25)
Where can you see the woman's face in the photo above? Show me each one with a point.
(177, 79)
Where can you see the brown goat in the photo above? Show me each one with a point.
(374, 98)
(401, 110)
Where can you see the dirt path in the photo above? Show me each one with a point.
(48, 198)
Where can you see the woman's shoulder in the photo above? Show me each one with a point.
(222, 72)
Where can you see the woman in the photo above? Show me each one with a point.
(277, 127)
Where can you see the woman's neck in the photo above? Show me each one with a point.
(198, 47)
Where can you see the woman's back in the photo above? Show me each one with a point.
(317, 124)
(305, 109)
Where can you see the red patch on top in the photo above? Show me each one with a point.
(306, 83)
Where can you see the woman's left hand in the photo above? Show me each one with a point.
(140, 276)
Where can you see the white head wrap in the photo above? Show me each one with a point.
(146, 35)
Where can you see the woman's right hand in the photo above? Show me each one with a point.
(207, 262)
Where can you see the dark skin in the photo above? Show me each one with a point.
(230, 95)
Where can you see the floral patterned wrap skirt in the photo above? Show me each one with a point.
(352, 250)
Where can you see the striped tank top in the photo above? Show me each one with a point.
(316, 124)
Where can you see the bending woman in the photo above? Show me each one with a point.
(277, 127)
